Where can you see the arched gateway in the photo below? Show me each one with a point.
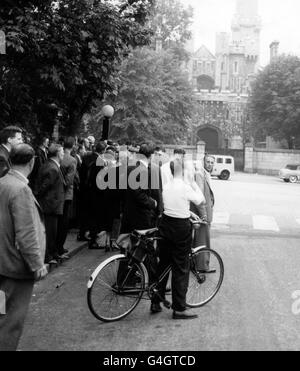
(212, 137)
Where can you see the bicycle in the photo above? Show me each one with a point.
(119, 283)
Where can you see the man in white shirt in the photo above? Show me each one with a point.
(176, 232)
(166, 174)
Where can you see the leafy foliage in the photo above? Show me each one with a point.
(64, 54)
(172, 20)
(155, 99)
(275, 100)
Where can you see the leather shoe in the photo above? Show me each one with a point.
(183, 315)
(53, 261)
(155, 308)
(64, 256)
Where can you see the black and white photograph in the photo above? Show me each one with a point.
(149, 178)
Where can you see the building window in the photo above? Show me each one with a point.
(222, 66)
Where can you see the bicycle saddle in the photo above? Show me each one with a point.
(147, 232)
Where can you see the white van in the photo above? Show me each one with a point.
(224, 167)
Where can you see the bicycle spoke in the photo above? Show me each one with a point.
(105, 284)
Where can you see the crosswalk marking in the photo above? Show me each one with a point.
(277, 224)
(265, 223)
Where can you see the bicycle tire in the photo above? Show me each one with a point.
(107, 300)
(203, 285)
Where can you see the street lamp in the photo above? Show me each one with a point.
(58, 112)
(107, 112)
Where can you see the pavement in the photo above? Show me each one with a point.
(72, 245)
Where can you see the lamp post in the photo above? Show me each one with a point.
(108, 113)
(58, 112)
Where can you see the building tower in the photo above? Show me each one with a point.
(245, 46)
(274, 50)
(246, 27)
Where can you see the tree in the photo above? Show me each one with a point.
(275, 100)
(64, 54)
(171, 21)
(155, 99)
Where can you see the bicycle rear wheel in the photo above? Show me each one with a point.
(206, 277)
(115, 289)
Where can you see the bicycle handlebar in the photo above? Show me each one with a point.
(198, 222)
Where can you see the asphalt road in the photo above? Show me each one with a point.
(256, 308)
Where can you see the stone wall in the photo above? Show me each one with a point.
(267, 161)
(195, 152)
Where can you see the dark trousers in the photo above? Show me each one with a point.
(63, 226)
(175, 248)
(17, 298)
(201, 238)
(83, 203)
(51, 225)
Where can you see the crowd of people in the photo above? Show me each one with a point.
(143, 189)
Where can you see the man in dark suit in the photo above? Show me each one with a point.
(9, 137)
(51, 195)
(85, 220)
(143, 200)
(95, 195)
(41, 155)
(68, 167)
(23, 244)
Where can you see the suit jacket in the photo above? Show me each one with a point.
(68, 168)
(50, 189)
(207, 208)
(22, 230)
(77, 176)
(5, 163)
(139, 204)
(41, 155)
(41, 158)
(87, 164)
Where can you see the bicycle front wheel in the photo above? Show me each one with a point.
(115, 289)
(206, 277)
